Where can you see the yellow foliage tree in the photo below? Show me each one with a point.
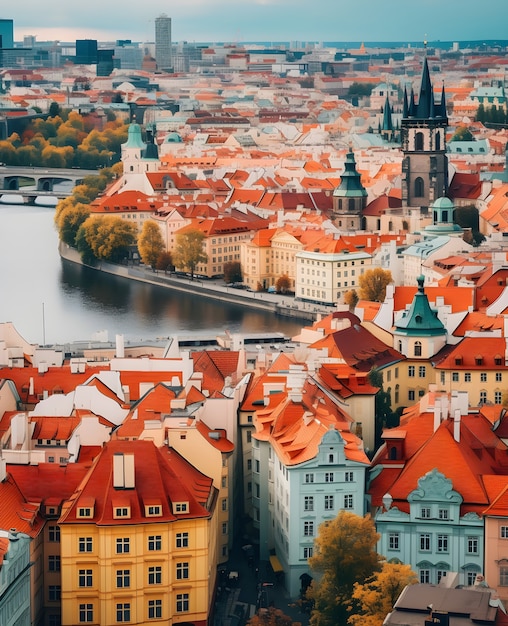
(150, 243)
(188, 252)
(109, 238)
(374, 599)
(373, 284)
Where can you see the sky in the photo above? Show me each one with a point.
(237, 21)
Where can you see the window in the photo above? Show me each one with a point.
(411, 371)
(309, 478)
(443, 514)
(123, 612)
(467, 377)
(328, 503)
(256, 466)
(498, 397)
(425, 542)
(455, 377)
(440, 574)
(418, 347)
(425, 576)
(85, 544)
(155, 575)
(348, 501)
(393, 541)
(483, 377)
(442, 543)
(503, 532)
(54, 534)
(84, 512)
(121, 511)
(470, 578)
(54, 563)
(154, 609)
(85, 578)
(308, 503)
(503, 576)
(419, 187)
(122, 545)
(224, 528)
(154, 542)
(348, 477)
(472, 545)
(499, 377)
(123, 578)
(182, 602)
(54, 593)
(154, 510)
(182, 540)
(180, 507)
(421, 371)
(411, 395)
(224, 504)
(182, 570)
(307, 553)
(483, 397)
(328, 477)
(425, 512)
(308, 529)
(86, 612)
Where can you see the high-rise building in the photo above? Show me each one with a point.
(6, 34)
(163, 54)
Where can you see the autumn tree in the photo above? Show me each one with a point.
(233, 272)
(165, 262)
(69, 222)
(373, 284)
(344, 554)
(462, 134)
(351, 299)
(150, 243)
(188, 252)
(374, 599)
(271, 617)
(109, 238)
(283, 284)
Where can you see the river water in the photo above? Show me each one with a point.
(52, 301)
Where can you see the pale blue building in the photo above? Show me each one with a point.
(14, 578)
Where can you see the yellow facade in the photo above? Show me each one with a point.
(140, 574)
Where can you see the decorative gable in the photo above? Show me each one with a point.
(435, 498)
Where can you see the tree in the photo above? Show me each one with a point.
(373, 284)
(54, 109)
(271, 617)
(344, 554)
(469, 217)
(109, 238)
(360, 89)
(462, 134)
(150, 243)
(69, 222)
(283, 284)
(351, 299)
(233, 272)
(383, 414)
(165, 262)
(374, 599)
(188, 252)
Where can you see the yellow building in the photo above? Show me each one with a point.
(138, 540)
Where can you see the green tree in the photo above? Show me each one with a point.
(233, 272)
(344, 554)
(373, 284)
(383, 414)
(54, 109)
(150, 243)
(283, 284)
(360, 89)
(374, 599)
(469, 217)
(109, 238)
(188, 252)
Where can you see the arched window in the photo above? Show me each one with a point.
(351, 204)
(400, 345)
(419, 187)
(438, 141)
(418, 348)
(396, 396)
(419, 141)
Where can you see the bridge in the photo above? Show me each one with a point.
(30, 183)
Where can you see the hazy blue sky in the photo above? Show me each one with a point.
(263, 20)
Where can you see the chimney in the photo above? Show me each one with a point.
(456, 425)
(3, 468)
(120, 347)
(437, 413)
(459, 402)
(123, 471)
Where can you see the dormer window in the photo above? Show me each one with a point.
(478, 360)
(85, 512)
(180, 507)
(86, 508)
(458, 360)
(122, 511)
(153, 510)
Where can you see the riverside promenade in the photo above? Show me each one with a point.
(283, 305)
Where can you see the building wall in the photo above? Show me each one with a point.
(15, 598)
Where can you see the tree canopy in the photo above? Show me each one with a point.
(373, 284)
(462, 134)
(188, 251)
(150, 243)
(344, 554)
(283, 284)
(233, 272)
(374, 599)
(108, 238)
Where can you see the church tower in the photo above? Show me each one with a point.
(350, 197)
(423, 137)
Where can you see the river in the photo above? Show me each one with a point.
(51, 301)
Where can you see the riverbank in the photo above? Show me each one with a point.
(282, 305)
